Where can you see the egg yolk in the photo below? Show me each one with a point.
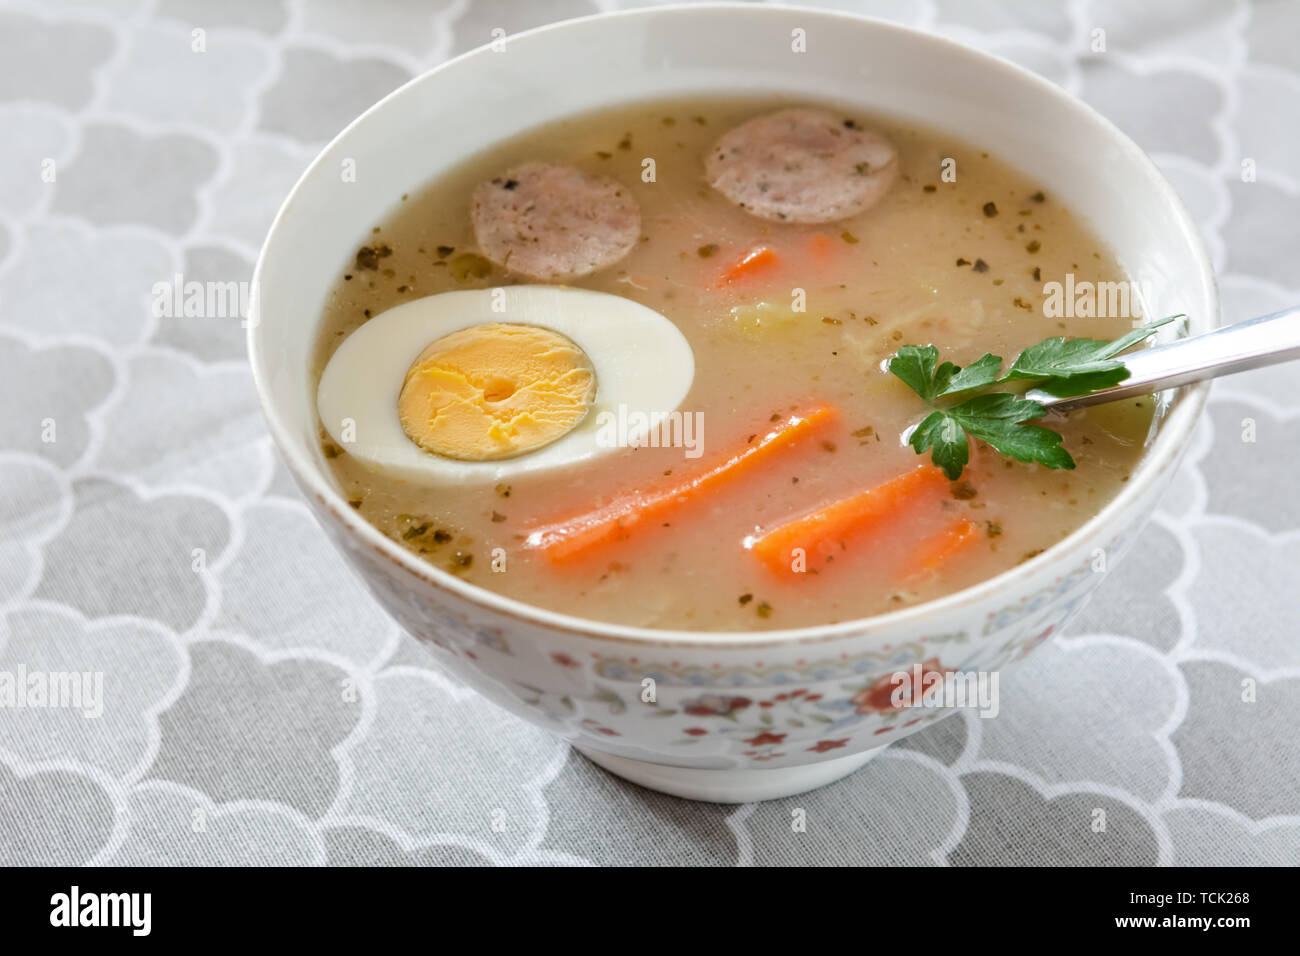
(495, 391)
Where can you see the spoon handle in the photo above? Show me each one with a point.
(1266, 340)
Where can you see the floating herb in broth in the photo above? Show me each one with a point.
(1062, 367)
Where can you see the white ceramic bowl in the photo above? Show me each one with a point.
(737, 716)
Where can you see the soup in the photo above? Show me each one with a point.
(787, 251)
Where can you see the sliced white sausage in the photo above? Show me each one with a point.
(554, 222)
(802, 165)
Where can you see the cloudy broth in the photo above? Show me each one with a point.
(961, 264)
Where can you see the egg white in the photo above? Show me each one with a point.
(641, 360)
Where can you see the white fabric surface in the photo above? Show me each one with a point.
(158, 540)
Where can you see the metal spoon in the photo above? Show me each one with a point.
(1255, 343)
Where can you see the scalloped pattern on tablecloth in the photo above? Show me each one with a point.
(257, 689)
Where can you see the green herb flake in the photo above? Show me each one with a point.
(368, 256)
(963, 490)
(469, 266)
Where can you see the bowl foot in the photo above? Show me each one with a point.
(729, 786)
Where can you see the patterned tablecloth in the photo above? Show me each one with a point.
(149, 533)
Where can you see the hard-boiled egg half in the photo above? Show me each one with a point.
(484, 384)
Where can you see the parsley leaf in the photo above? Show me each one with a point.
(948, 439)
(1071, 385)
(1064, 367)
(983, 371)
(1060, 357)
(915, 365)
(997, 418)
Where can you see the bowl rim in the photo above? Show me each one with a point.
(1163, 453)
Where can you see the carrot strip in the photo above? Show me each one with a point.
(615, 521)
(755, 262)
(823, 532)
(937, 549)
